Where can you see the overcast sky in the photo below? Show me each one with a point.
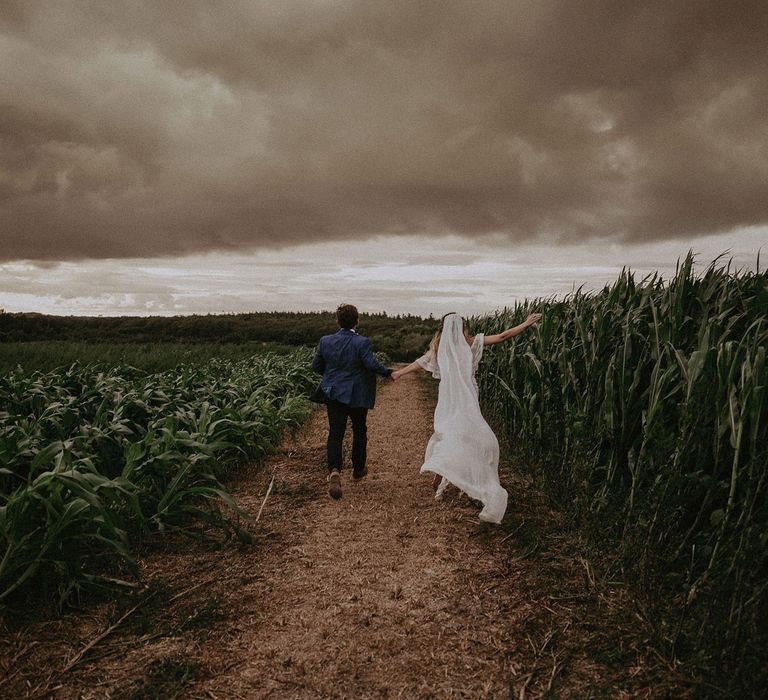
(415, 155)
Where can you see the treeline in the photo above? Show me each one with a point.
(400, 337)
(50, 355)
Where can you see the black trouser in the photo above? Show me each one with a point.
(337, 426)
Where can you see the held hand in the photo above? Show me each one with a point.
(393, 376)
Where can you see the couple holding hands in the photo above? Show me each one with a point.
(462, 451)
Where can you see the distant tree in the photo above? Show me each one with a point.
(398, 336)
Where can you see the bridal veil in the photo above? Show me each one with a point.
(463, 449)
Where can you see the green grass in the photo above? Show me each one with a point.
(47, 355)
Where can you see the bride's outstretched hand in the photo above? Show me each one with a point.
(532, 318)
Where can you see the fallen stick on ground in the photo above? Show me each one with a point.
(192, 588)
(269, 490)
(161, 633)
(514, 532)
(78, 657)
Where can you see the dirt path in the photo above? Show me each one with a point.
(383, 594)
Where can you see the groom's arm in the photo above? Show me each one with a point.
(370, 362)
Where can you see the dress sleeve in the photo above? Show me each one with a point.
(427, 361)
(477, 349)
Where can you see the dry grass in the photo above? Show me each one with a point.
(385, 593)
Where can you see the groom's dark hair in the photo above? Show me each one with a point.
(347, 316)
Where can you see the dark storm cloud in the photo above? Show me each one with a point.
(154, 128)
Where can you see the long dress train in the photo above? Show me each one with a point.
(462, 449)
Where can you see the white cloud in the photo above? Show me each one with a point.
(376, 275)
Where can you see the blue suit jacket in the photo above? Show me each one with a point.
(346, 361)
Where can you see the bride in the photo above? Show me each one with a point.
(463, 450)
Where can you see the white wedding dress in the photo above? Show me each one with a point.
(463, 449)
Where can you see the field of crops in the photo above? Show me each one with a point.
(645, 406)
(92, 458)
(47, 355)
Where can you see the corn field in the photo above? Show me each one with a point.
(47, 355)
(646, 406)
(94, 458)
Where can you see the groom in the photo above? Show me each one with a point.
(346, 361)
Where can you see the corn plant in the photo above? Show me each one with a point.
(92, 458)
(646, 403)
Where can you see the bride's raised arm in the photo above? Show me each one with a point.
(511, 332)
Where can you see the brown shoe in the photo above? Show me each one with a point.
(334, 484)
